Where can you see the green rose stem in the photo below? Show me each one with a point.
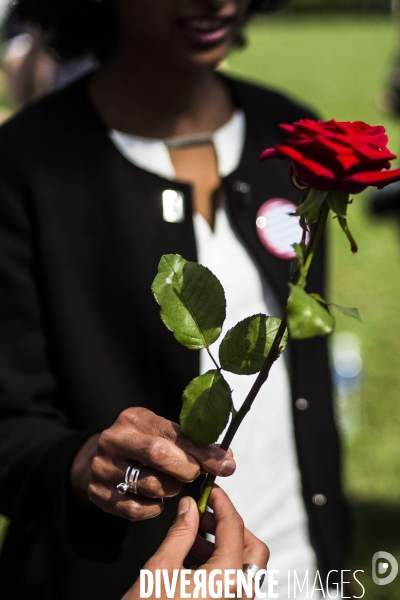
(273, 354)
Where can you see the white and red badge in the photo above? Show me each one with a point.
(278, 229)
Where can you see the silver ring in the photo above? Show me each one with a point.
(131, 478)
(253, 570)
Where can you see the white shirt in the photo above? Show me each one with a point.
(266, 487)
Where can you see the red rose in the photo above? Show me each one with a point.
(337, 156)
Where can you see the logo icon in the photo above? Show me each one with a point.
(384, 563)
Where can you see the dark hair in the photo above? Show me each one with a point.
(77, 27)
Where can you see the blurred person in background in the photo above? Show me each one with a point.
(32, 69)
(90, 380)
(388, 99)
(387, 200)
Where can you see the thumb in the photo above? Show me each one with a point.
(180, 537)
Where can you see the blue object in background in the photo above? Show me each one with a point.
(347, 370)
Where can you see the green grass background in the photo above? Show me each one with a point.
(336, 65)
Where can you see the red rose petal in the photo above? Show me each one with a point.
(347, 161)
(375, 155)
(307, 126)
(314, 174)
(337, 155)
(339, 148)
(289, 152)
(285, 127)
(378, 179)
(269, 153)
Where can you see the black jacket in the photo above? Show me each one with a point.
(81, 235)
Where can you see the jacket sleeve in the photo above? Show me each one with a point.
(37, 444)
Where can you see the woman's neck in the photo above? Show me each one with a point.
(141, 97)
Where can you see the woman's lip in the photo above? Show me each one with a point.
(206, 30)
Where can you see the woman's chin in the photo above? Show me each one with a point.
(204, 58)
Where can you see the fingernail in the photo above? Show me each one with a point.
(183, 506)
(228, 467)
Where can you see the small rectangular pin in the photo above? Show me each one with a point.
(173, 203)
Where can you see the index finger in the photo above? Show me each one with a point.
(211, 458)
(229, 532)
(255, 551)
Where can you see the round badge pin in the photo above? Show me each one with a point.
(278, 229)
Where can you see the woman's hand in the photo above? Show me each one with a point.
(234, 545)
(140, 436)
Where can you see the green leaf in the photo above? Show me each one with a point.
(318, 298)
(303, 225)
(299, 252)
(207, 404)
(306, 317)
(192, 301)
(344, 225)
(349, 312)
(312, 205)
(245, 347)
(338, 203)
(297, 264)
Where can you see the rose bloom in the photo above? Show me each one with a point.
(337, 156)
